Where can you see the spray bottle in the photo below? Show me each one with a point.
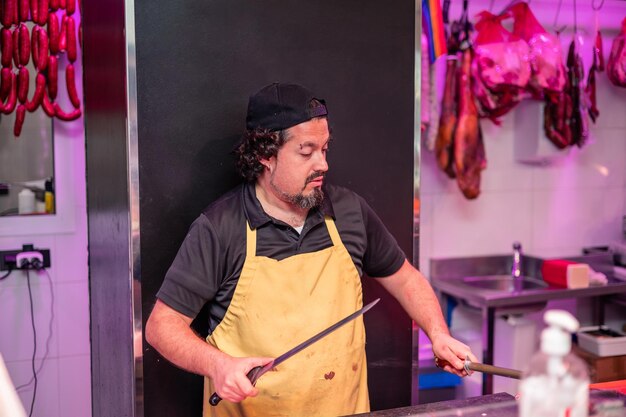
(556, 383)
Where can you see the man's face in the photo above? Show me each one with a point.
(298, 170)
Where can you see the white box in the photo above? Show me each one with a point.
(602, 341)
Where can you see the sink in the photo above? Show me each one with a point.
(504, 283)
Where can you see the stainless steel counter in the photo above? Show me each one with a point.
(456, 287)
(470, 407)
(448, 279)
(601, 404)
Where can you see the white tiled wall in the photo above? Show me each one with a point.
(553, 210)
(60, 295)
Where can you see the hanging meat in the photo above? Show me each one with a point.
(545, 56)
(556, 116)
(500, 70)
(578, 122)
(444, 142)
(596, 66)
(565, 114)
(616, 66)
(469, 149)
(46, 45)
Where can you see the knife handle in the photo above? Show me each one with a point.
(252, 376)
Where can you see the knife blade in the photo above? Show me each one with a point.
(256, 372)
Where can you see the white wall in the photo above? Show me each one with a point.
(61, 307)
(553, 210)
(60, 296)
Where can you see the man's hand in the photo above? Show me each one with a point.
(451, 353)
(169, 333)
(230, 377)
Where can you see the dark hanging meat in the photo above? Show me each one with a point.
(469, 150)
(444, 142)
(590, 89)
(556, 116)
(598, 55)
(578, 121)
(616, 67)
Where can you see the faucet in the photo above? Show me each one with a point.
(516, 270)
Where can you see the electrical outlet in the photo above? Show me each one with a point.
(29, 260)
(26, 258)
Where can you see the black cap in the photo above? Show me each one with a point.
(280, 106)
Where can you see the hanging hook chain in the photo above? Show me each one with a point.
(598, 7)
(575, 19)
(556, 19)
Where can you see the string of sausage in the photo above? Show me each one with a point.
(46, 42)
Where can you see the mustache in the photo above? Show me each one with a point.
(315, 175)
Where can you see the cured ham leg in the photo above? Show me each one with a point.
(469, 149)
(444, 143)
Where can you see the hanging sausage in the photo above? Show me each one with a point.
(53, 34)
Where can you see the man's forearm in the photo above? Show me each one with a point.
(171, 335)
(418, 299)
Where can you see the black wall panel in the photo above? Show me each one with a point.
(197, 63)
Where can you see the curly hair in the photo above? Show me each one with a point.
(255, 145)
(260, 144)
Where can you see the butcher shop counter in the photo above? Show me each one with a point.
(485, 283)
(601, 404)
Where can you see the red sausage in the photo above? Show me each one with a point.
(24, 10)
(24, 44)
(47, 106)
(34, 11)
(20, 115)
(7, 47)
(54, 5)
(43, 11)
(62, 34)
(53, 75)
(40, 88)
(70, 36)
(66, 117)
(22, 85)
(9, 106)
(8, 12)
(34, 46)
(16, 46)
(70, 7)
(53, 32)
(70, 80)
(62, 4)
(42, 41)
(5, 83)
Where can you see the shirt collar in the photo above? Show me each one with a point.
(257, 217)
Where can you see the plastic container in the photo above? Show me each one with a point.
(26, 201)
(556, 382)
(602, 341)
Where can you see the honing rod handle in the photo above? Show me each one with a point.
(484, 368)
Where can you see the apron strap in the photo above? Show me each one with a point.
(332, 231)
(250, 240)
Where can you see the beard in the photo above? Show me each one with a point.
(309, 201)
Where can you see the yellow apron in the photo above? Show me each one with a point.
(278, 304)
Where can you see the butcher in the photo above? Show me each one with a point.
(278, 258)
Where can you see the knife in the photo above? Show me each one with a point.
(256, 372)
(484, 368)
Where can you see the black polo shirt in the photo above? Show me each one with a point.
(210, 259)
